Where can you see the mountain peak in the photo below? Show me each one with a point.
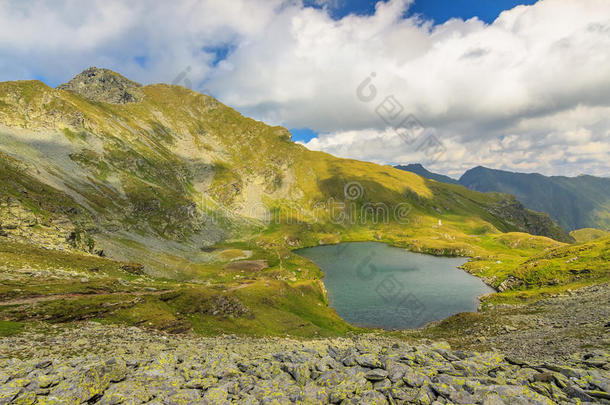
(420, 170)
(104, 85)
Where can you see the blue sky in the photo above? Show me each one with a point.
(437, 10)
(443, 10)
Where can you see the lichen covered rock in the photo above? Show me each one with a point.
(118, 365)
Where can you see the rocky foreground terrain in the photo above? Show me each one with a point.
(558, 329)
(555, 328)
(105, 364)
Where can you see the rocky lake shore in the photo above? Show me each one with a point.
(107, 364)
(561, 328)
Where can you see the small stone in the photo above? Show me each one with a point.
(183, 396)
(461, 397)
(376, 375)
(43, 364)
(382, 384)
(598, 394)
(8, 393)
(373, 397)
(492, 398)
(300, 372)
(414, 379)
(369, 361)
(48, 380)
(573, 391)
(315, 394)
(201, 383)
(216, 396)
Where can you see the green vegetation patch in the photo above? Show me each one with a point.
(588, 234)
(75, 135)
(10, 328)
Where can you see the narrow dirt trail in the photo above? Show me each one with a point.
(239, 287)
(43, 298)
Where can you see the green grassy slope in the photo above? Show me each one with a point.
(588, 234)
(55, 286)
(559, 269)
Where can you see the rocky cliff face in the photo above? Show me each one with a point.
(33, 212)
(536, 223)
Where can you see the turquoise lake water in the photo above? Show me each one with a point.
(376, 285)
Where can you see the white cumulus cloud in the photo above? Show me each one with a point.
(528, 92)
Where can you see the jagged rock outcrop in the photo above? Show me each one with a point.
(104, 85)
(535, 223)
(510, 283)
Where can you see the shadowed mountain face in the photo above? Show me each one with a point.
(574, 202)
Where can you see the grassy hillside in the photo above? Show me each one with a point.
(171, 193)
(588, 234)
(558, 270)
(43, 285)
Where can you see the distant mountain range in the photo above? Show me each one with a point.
(574, 202)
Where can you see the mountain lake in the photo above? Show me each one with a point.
(376, 285)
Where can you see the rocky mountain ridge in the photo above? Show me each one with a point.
(180, 166)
